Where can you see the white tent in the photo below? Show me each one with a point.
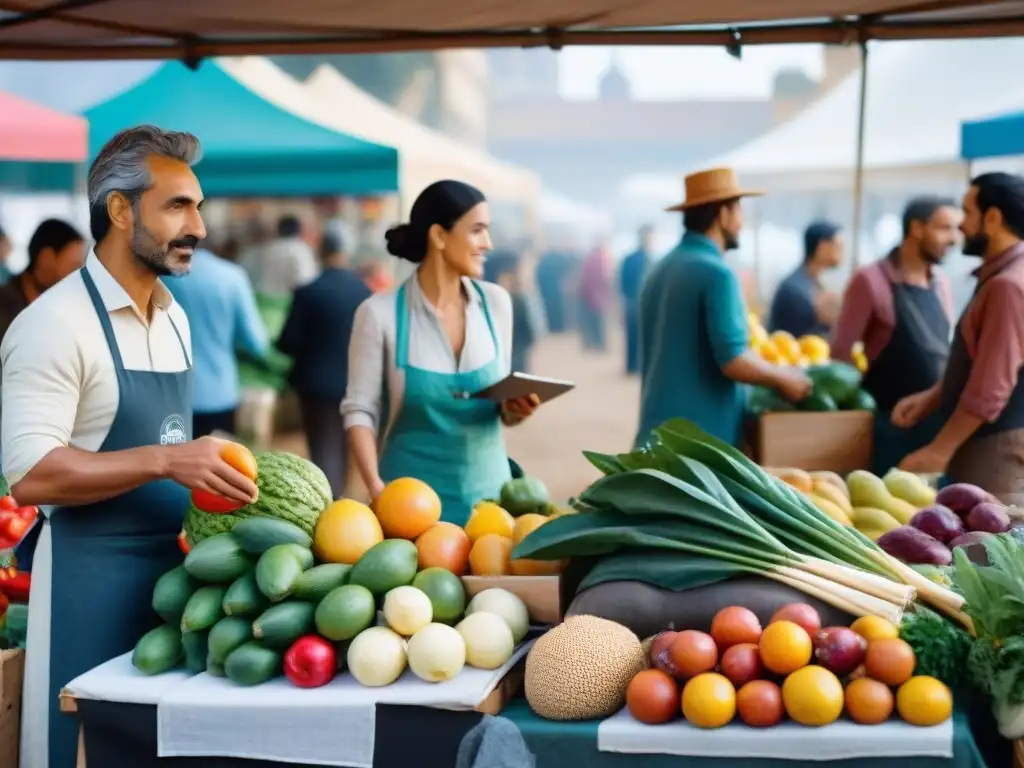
(917, 95)
(424, 156)
(557, 209)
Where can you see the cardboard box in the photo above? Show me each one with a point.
(12, 674)
(542, 594)
(839, 441)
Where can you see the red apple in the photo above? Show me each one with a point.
(741, 664)
(310, 662)
(799, 613)
(659, 648)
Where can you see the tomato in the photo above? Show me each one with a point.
(241, 458)
(15, 527)
(183, 543)
(214, 503)
(27, 513)
(8, 503)
(17, 587)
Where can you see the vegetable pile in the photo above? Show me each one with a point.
(687, 492)
(961, 515)
(836, 388)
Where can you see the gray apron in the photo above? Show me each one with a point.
(96, 564)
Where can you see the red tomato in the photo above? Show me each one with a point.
(213, 503)
(8, 503)
(27, 513)
(17, 587)
(15, 528)
(183, 543)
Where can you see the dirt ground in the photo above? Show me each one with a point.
(599, 415)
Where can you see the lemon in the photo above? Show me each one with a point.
(345, 531)
(924, 701)
(709, 700)
(873, 628)
(487, 517)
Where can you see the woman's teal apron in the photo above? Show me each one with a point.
(444, 438)
(105, 558)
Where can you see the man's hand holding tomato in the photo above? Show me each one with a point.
(225, 475)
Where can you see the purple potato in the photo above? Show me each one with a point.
(971, 537)
(962, 497)
(988, 517)
(939, 522)
(916, 547)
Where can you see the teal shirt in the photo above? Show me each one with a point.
(692, 323)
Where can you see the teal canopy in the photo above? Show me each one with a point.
(997, 136)
(251, 148)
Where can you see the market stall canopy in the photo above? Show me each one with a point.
(999, 136)
(39, 147)
(558, 210)
(251, 147)
(917, 95)
(194, 29)
(424, 156)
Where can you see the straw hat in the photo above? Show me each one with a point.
(714, 185)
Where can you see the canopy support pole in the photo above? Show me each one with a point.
(858, 173)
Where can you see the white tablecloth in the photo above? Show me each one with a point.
(840, 741)
(203, 715)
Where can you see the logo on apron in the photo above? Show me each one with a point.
(172, 431)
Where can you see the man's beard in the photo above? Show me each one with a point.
(931, 257)
(977, 245)
(160, 259)
(730, 241)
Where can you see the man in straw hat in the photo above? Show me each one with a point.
(694, 349)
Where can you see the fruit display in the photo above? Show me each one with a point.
(836, 387)
(334, 588)
(15, 520)
(811, 678)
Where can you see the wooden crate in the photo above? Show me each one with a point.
(542, 594)
(1018, 753)
(837, 441)
(12, 673)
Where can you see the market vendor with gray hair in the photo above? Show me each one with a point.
(97, 427)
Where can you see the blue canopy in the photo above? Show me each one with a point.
(250, 146)
(997, 136)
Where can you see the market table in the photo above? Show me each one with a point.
(125, 736)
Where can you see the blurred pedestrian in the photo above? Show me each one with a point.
(595, 289)
(802, 305)
(316, 336)
(631, 279)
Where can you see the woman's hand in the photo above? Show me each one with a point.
(374, 487)
(516, 411)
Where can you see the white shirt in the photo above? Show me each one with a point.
(281, 266)
(371, 351)
(59, 384)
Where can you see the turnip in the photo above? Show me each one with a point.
(939, 522)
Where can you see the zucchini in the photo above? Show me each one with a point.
(203, 609)
(226, 635)
(252, 664)
(172, 592)
(158, 651)
(281, 625)
(277, 572)
(244, 598)
(314, 585)
(194, 644)
(258, 534)
(217, 559)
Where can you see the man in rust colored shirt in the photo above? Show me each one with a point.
(981, 395)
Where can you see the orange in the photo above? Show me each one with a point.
(444, 545)
(239, 457)
(873, 628)
(406, 508)
(524, 526)
(868, 701)
(490, 556)
(709, 701)
(345, 530)
(924, 701)
(487, 517)
(813, 696)
(890, 661)
(785, 647)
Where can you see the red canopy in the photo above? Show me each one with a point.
(33, 133)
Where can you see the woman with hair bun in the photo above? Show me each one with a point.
(442, 335)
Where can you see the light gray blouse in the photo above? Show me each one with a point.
(371, 352)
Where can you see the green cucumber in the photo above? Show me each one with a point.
(194, 645)
(217, 559)
(258, 534)
(244, 598)
(304, 555)
(315, 584)
(158, 651)
(252, 664)
(214, 669)
(345, 612)
(203, 609)
(281, 625)
(226, 635)
(277, 572)
(171, 592)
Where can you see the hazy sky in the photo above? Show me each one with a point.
(668, 73)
